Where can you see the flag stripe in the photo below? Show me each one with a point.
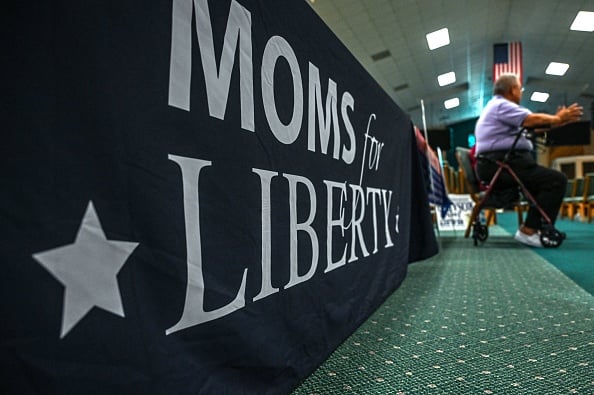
(507, 58)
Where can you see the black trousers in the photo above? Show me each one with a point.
(547, 186)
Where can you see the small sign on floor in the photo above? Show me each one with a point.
(458, 214)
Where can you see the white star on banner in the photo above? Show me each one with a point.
(88, 270)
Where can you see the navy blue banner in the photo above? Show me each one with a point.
(198, 197)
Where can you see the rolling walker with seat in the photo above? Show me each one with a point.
(550, 237)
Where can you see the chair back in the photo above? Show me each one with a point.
(588, 187)
(579, 189)
(570, 189)
(472, 182)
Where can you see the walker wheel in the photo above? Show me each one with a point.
(483, 232)
(480, 232)
(551, 237)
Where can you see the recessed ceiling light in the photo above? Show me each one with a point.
(381, 55)
(583, 22)
(438, 38)
(539, 96)
(400, 87)
(451, 103)
(555, 68)
(446, 79)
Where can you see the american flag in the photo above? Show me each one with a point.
(507, 58)
(435, 182)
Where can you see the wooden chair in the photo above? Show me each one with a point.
(576, 197)
(566, 209)
(586, 206)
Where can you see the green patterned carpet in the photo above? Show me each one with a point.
(575, 258)
(497, 319)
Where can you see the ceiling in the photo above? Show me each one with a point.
(409, 73)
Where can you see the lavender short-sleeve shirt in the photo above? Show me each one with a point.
(498, 125)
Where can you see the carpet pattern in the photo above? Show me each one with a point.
(574, 257)
(497, 319)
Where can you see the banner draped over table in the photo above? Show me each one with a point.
(197, 197)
